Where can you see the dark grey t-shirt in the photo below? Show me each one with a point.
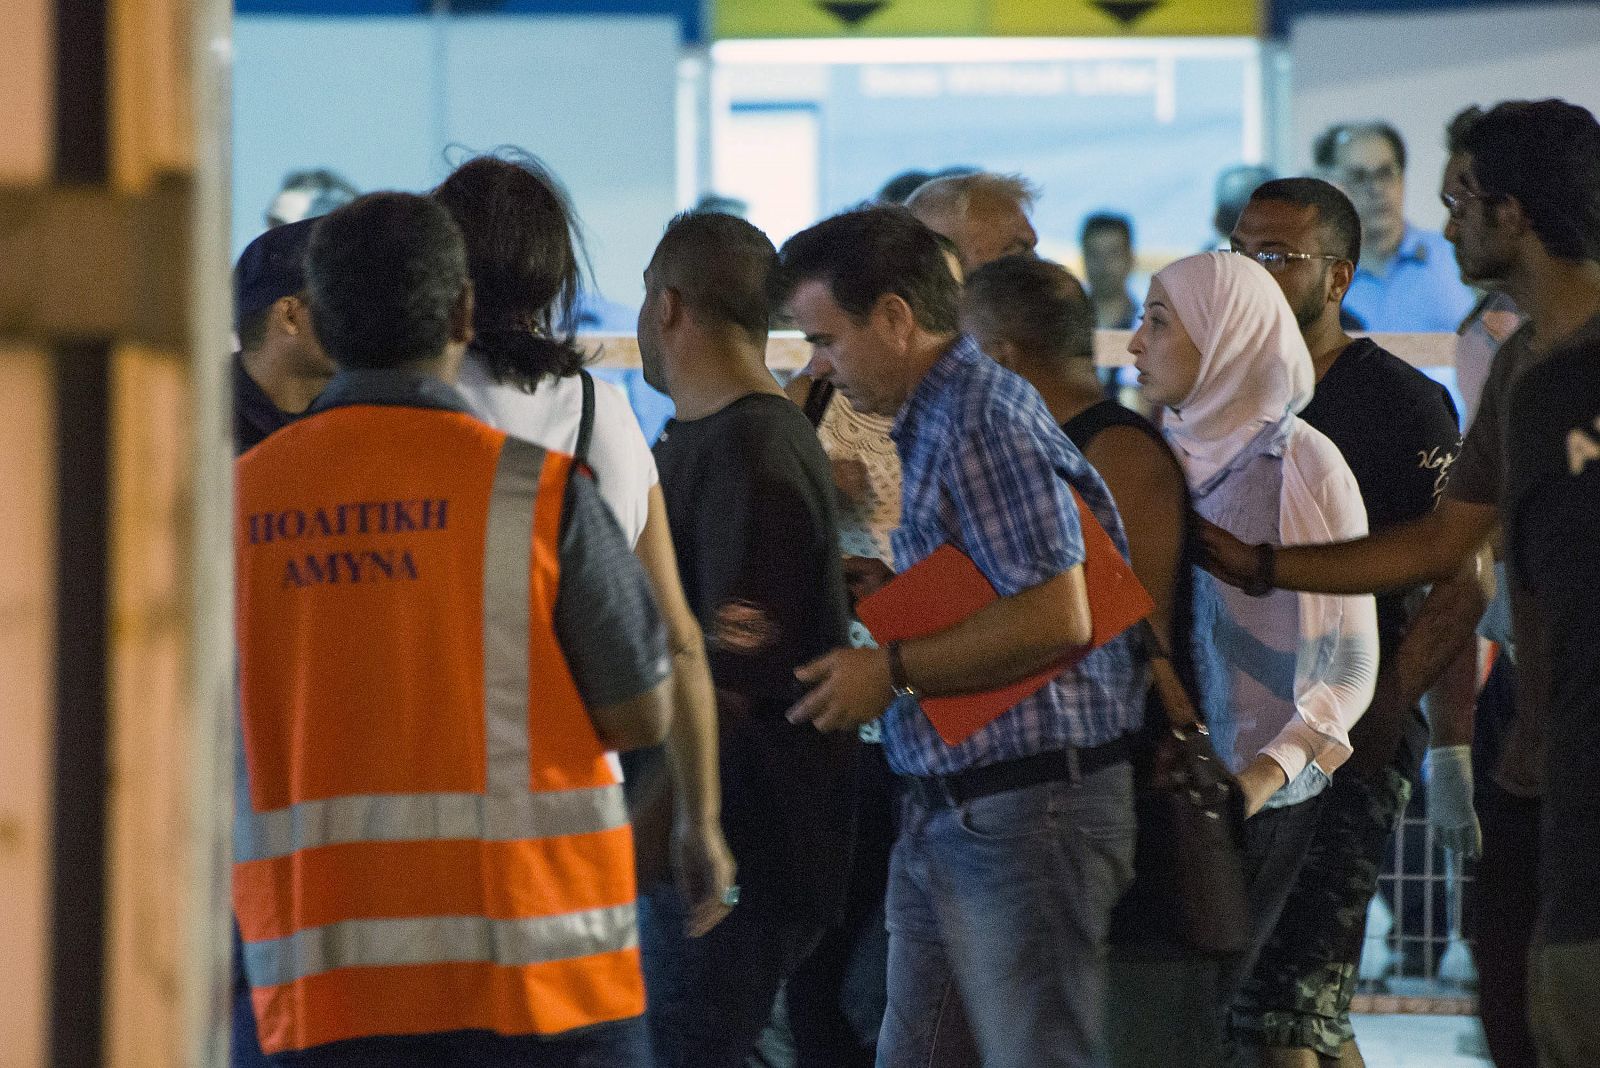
(606, 617)
(1552, 542)
(1478, 476)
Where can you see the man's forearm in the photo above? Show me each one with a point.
(1433, 548)
(1005, 642)
(1439, 657)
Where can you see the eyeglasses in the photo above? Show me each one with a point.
(1388, 174)
(1275, 261)
(1456, 203)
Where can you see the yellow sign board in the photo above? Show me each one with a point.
(986, 18)
(1109, 18)
(849, 18)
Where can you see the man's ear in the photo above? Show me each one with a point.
(461, 316)
(1340, 277)
(896, 316)
(291, 316)
(1508, 214)
(670, 309)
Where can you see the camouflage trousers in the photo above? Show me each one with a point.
(1298, 994)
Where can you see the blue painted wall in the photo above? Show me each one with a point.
(687, 12)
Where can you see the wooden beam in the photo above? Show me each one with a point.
(79, 263)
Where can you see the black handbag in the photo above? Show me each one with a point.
(1196, 807)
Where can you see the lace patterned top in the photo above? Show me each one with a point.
(866, 470)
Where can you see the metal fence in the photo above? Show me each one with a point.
(1416, 958)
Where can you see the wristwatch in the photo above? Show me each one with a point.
(897, 673)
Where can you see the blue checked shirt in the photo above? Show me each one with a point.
(986, 469)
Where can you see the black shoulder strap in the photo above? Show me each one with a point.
(1087, 424)
(817, 399)
(580, 452)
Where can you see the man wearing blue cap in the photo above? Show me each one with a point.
(280, 367)
(278, 371)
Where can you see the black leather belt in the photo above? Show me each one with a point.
(961, 786)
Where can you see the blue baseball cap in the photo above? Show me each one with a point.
(272, 266)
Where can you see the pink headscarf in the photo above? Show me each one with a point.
(1254, 366)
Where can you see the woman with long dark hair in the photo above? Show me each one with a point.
(524, 375)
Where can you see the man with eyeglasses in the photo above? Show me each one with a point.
(1530, 464)
(1406, 279)
(1397, 430)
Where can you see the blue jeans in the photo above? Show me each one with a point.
(998, 913)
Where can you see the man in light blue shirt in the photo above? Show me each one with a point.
(1407, 280)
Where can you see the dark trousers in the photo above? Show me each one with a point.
(711, 997)
(1169, 1006)
(835, 998)
(1276, 841)
(1502, 910)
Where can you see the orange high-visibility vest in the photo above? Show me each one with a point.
(427, 835)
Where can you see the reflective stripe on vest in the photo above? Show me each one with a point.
(509, 909)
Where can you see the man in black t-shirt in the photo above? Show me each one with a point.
(1397, 430)
(1552, 540)
(1523, 193)
(1534, 230)
(750, 504)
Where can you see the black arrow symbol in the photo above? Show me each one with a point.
(1127, 12)
(852, 12)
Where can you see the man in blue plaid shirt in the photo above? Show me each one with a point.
(1014, 844)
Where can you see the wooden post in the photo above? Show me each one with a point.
(115, 557)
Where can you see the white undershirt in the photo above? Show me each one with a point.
(549, 417)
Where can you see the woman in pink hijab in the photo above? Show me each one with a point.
(1220, 351)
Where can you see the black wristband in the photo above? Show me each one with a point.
(1261, 582)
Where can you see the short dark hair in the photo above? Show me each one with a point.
(1545, 154)
(1325, 149)
(1234, 187)
(1336, 216)
(1456, 131)
(868, 253)
(384, 274)
(1109, 221)
(1033, 303)
(252, 329)
(721, 266)
(525, 256)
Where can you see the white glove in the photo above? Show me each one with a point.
(1455, 824)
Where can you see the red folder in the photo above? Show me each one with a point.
(947, 587)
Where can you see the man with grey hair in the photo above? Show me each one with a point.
(984, 214)
(1407, 277)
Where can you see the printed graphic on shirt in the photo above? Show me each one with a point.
(1437, 459)
(1583, 447)
(744, 627)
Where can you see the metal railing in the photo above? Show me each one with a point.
(787, 350)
